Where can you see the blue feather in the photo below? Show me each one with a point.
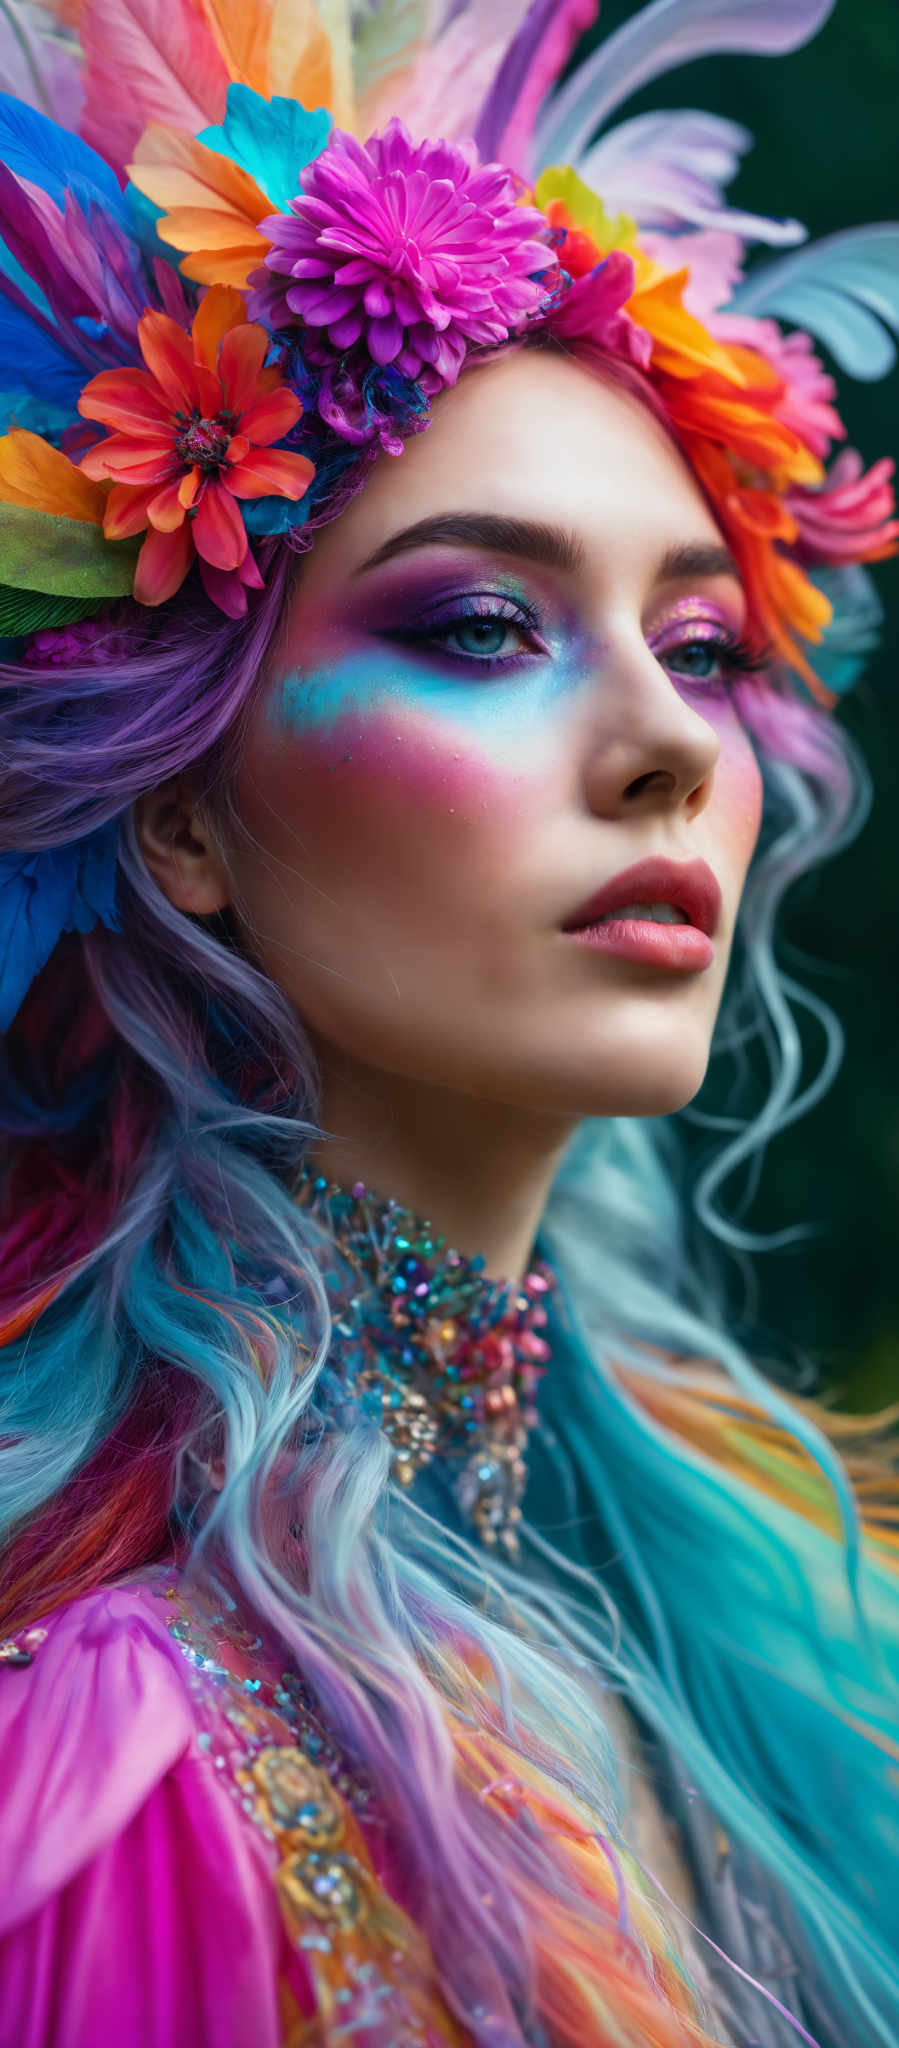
(274, 515)
(42, 895)
(34, 147)
(24, 409)
(31, 362)
(844, 290)
(270, 139)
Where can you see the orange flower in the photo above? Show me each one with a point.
(782, 599)
(193, 434)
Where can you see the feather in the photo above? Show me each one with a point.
(450, 69)
(35, 363)
(668, 170)
(661, 36)
(41, 353)
(388, 39)
(271, 140)
(37, 67)
(28, 242)
(844, 290)
(311, 55)
(37, 414)
(308, 64)
(240, 30)
(42, 895)
(536, 58)
(35, 148)
(83, 287)
(854, 633)
(147, 60)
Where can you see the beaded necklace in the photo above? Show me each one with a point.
(445, 1360)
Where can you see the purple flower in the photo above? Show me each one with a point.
(414, 250)
(94, 640)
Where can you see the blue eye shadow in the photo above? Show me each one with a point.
(378, 678)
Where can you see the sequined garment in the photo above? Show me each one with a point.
(446, 1361)
(353, 1965)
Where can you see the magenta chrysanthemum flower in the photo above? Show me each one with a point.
(414, 250)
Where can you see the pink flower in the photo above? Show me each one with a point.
(806, 404)
(850, 519)
(592, 310)
(413, 249)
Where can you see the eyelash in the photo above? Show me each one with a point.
(737, 654)
(740, 659)
(481, 608)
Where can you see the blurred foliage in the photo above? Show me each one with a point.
(826, 152)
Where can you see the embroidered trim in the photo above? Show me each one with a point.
(371, 1968)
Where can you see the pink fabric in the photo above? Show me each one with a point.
(137, 1906)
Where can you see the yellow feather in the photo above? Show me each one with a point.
(300, 55)
(388, 44)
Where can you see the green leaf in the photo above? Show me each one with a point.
(24, 611)
(66, 557)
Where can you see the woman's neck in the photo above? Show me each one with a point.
(442, 1357)
(480, 1170)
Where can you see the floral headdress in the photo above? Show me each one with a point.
(219, 304)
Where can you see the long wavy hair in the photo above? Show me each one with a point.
(714, 1549)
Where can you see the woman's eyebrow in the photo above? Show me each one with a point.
(696, 558)
(552, 546)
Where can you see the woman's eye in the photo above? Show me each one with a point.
(718, 658)
(481, 637)
(477, 638)
(697, 658)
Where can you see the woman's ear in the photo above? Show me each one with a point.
(179, 848)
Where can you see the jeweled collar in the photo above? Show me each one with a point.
(445, 1360)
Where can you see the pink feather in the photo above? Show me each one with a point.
(147, 60)
(449, 73)
(567, 20)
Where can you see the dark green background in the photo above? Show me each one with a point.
(826, 152)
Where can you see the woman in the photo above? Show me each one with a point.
(424, 1623)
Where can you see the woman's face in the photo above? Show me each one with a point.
(468, 733)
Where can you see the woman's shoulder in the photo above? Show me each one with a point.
(94, 1711)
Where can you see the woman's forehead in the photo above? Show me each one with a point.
(534, 436)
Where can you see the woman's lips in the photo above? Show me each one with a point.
(677, 948)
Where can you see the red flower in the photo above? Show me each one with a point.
(193, 434)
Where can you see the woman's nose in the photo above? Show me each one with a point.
(647, 747)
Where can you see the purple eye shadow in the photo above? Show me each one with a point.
(706, 620)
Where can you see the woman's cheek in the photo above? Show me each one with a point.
(389, 790)
(738, 792)
(365, 736)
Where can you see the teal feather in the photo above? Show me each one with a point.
(270, 139)
(654, 42)
(844, 290)
(854, 633)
